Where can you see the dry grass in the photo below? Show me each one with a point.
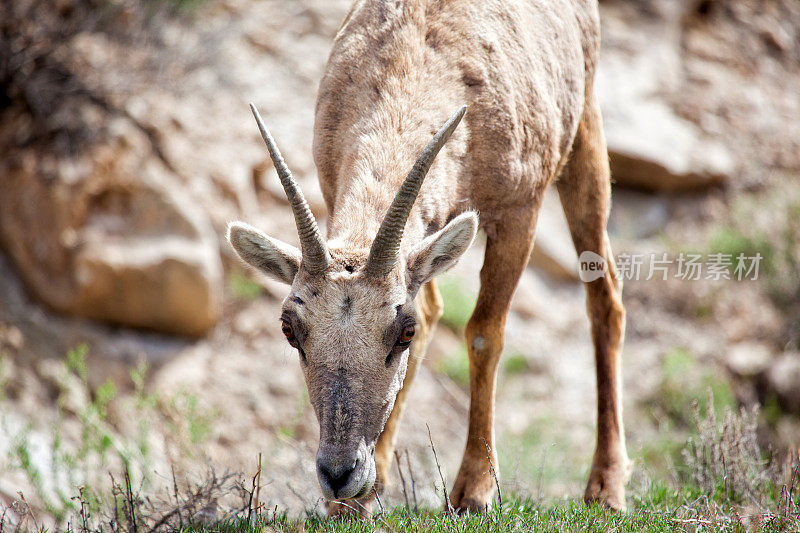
(127, 510)
(727, 457)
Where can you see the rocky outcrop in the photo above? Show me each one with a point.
(650, 146)
(109, 235)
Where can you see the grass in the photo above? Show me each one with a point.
(456, 367)
(768, 226)
(458, 302)
(543, 459)
(685, 380)
(732, 242)
(243, 288)
(518, 515)
(728, 484)
(187, 8)
(514, 363)
(659, 508)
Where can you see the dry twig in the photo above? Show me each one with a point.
(413, 481)
(448, 505)
(402, 477)
(494, 474)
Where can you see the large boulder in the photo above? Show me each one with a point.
(108, 234)
(650, 146)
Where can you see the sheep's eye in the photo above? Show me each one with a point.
(407, 335)
(287, 330)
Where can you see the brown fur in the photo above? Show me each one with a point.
(397, 70)
(525, 70)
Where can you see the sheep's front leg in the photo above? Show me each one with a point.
(507, 252)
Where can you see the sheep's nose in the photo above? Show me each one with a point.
(335, 472)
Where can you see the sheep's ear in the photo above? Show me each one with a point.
(440, 251)
(271, 256)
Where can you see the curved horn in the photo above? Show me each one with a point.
(315, 252)
(385, 249)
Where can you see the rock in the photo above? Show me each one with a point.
(637, 215)
(11, 337)
(109, 235)
(653, 149)
(553, 251)
(650, 146)
(748, 359)
(783, 380)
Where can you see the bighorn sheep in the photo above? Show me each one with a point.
(397, 70)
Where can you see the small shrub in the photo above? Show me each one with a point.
(69, 477)
(54, 467)
(190, 419)
(726, 461)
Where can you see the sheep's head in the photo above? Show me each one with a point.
(350, 314)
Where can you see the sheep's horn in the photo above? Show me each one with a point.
(385, 251)
(315, 252)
